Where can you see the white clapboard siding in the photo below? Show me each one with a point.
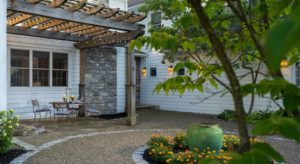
(19, 98)
(190, 101)
(121, 79)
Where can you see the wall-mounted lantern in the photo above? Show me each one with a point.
(170, 70)
(284, 67)
(144, 72)
(284, 63)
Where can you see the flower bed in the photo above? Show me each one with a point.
(167, 149)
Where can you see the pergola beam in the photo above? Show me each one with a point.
(44, 34)
(105, 40)
(58, 13)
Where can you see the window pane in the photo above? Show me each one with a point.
(19, 77)
(40, 78)
(19, 58)
(181, 71)
(60, 61)
(60, 78)
(152, 71)
(298, 74)
(40, 59)
(156, 18)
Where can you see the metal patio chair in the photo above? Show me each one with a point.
(62, 110)
(37, 109)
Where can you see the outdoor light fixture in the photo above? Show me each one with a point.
(144, 71)
(170, 70)
(284, 63)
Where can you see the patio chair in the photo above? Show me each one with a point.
(61, 110)
(37, 109)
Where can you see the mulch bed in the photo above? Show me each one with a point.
(112, 116)
(148, 158)
(10, 155)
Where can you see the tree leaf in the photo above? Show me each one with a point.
(263, 127)
(280, 40)
(269, 151)
(289, 128)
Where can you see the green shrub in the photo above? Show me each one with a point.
(254, 117)
(227, 115)
(7, 123)
(257, 116)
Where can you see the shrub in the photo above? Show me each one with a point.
(227, 115)
(257, 116)
(7, 123)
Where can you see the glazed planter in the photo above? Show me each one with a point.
(203, 136)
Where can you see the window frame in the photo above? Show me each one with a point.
(157, 25)
(41, 69)
(184, 72)
(150, 70)
(296, 72)
(10, 67)
(66, 70)
(31, 49)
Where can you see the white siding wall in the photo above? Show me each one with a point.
(121, 79)
(19, 98)
(117, 4)
(190, 101)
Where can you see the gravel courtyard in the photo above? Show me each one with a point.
(111, 141)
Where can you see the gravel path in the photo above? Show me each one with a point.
(117, 148)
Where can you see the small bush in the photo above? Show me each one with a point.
(7, 123)
(257, 116)
(227, 115)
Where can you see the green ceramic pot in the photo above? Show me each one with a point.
(203, 136)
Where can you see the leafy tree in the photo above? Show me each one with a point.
(234, 32)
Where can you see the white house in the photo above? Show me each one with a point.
(190, 101)
(39, 59)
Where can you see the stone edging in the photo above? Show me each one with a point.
(22, 158)
(137, 155)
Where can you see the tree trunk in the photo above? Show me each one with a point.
(233, 80)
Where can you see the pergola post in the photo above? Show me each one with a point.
(81, 112)
(3, 58)
(130, 88)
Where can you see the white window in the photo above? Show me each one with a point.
(297, 75)
(19, 68)
(156, 19)
(39, 68)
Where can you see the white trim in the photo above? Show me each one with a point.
(3, 57)
(51, 69)
(30, 69)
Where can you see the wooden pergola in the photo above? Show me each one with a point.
(87, 24)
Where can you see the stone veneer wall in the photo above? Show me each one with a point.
(100, 88)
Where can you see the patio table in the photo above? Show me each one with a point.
(58, 105)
